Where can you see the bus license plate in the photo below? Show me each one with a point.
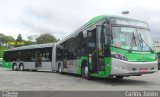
(143, 70)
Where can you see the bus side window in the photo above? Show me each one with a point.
(82, 44)
(33, 56)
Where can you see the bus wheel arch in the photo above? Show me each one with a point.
(21, 66)
(14, 67)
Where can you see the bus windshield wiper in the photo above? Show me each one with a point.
(133, 39)
(142, 40)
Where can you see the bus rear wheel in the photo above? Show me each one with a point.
(14, 67)
(21, 67)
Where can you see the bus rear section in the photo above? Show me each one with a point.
(34, 57)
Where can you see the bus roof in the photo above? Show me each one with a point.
(101, 17)
(33, 46)
(94, 21)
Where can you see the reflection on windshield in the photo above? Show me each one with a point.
(146, 41)
(129, 38)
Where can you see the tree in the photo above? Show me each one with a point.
(2, 38)
(5, 39)
(46, 38)
(4, 43)
(19, 41)
(32, 38)
(9, 39)
(19, 38)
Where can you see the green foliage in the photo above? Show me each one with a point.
(32, 39)
(19, 41)
(9, 39)
(2, 38)
(46, 38)
(6, 39)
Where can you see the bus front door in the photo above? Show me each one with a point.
(95, 46)
(92, 51)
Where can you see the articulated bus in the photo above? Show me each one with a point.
(106, 46)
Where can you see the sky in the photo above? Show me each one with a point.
(62, 17)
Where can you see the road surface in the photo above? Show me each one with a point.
(51, 81)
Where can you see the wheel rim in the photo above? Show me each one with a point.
(86, 71)
(21, 67)
(15, 67)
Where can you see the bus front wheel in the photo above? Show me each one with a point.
(85, 72)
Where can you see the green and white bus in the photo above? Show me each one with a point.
(108, 46)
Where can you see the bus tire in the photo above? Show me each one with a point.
(35, 70)
(60, 68)
(84, 71)
(21, 67)
(14, 67)
(119, 77)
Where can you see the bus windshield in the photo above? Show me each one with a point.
(131, 39)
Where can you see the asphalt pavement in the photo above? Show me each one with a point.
(52, 81)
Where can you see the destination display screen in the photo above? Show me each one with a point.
(130, 22)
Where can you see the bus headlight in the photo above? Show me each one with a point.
(119, 56)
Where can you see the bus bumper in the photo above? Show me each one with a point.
(124, 68)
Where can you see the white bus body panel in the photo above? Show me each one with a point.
(46, 66)
(51, 65)
(72, 66)
(29, 65)
(120, 67)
